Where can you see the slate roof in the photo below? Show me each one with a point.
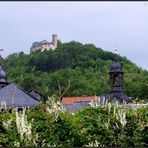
(76, 106)
(71, 100)
(16, 97)
(37, 95)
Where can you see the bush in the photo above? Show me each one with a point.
(49, 125)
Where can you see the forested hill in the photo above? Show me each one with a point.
(81, 68)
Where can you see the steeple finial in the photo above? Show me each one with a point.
(116, 51)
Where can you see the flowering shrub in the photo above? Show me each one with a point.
(49, 125)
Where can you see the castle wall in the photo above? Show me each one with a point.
(46, 45)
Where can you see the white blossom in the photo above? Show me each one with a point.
(54, 108)
(7, 123)
(94, 144)
(121, 116)
(3, 105)
(23, 127)
(94, 104)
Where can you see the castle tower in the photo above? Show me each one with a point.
(116, 82)
(55, 40)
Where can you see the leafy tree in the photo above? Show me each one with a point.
(84, 65)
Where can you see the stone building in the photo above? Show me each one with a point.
(78, 102)
(45, 45)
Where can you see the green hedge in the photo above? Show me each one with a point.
(48, 125)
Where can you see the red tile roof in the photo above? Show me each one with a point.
(71, 100)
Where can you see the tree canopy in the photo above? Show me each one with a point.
(83, 66)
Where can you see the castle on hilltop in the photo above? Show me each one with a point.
(44, 45)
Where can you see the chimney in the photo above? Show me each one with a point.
(55, 40)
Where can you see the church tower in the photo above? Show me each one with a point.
(116, 82)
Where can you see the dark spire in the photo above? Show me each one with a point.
(3, 75)
(116, 65)
(116, 81)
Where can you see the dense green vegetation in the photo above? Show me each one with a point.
(49, 125)
(84, 70)
(82, 67)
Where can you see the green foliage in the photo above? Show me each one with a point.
(109, 126)
(85, 66)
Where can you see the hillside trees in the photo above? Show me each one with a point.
(84, 65)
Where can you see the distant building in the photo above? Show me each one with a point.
(116, 94)
(44, 45)
(75, 103)
(116, 82)
(13, 96)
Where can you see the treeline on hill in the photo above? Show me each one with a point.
(82, 67)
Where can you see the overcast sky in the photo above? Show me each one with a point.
(104, 24)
